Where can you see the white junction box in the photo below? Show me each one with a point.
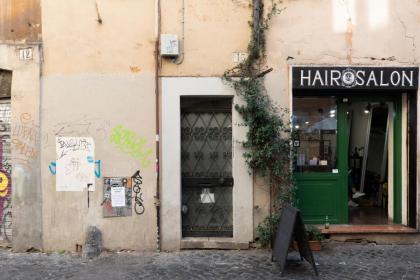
(169, 45)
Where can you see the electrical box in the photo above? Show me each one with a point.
(169, 45)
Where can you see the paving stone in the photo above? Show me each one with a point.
(336, 261)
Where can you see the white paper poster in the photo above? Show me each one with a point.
(118, 197)
(75, 167)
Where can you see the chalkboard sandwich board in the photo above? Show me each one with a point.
(291, 227)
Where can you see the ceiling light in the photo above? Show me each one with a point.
(367, 109)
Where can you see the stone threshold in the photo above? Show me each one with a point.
(212, 243)
(367, 229)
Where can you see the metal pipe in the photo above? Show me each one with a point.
(180, 59)
(157, 107)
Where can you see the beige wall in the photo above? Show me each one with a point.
(95, 77)
(214, 30)
(104, 73)
(26, 190)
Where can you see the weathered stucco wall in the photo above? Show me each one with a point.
(214, 30)
(100, 73)
(20, 21)
(340, 32)
(96, 76)
(325, 32)
(25, 135)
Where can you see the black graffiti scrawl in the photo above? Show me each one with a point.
(137, 181)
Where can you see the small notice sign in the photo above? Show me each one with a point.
(118, 197)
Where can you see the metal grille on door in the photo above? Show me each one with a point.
(206, 166)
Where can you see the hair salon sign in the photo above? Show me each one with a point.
(404, 78)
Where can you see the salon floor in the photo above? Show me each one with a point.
(368, 215)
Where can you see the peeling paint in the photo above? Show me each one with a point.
(21, 20)
(135, 69)
(408, 36)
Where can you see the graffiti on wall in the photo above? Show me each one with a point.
(52, 167)
(137, 181)
(118, 193)
(5, 172)
(25, 134)
(128, 141)
(75, 166)
(97, 128)
(97, 164)
(5, 199)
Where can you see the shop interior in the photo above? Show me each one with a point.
(369, 131)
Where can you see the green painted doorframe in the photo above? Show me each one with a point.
(342, 160)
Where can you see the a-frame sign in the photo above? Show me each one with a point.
(291, 227)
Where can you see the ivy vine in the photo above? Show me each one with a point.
(268, 140)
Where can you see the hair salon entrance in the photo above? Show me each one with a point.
(352, 162)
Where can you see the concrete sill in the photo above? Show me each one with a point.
(212, 243)
(380, 234)
(367, 229)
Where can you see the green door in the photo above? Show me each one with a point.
(320, 165)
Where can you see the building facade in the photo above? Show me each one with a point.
(103, 128)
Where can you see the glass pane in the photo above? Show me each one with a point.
(315, 126)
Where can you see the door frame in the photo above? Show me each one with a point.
(171, 223)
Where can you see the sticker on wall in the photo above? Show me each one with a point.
(117, 194)
(73, 169)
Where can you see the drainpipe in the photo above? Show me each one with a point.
(157, 101)
(180, 59)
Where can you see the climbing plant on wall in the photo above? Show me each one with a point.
(268, 142)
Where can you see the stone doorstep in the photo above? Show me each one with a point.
(212, 243)
(380, 234)
(367, 229)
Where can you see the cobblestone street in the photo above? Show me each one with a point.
(335, 261)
